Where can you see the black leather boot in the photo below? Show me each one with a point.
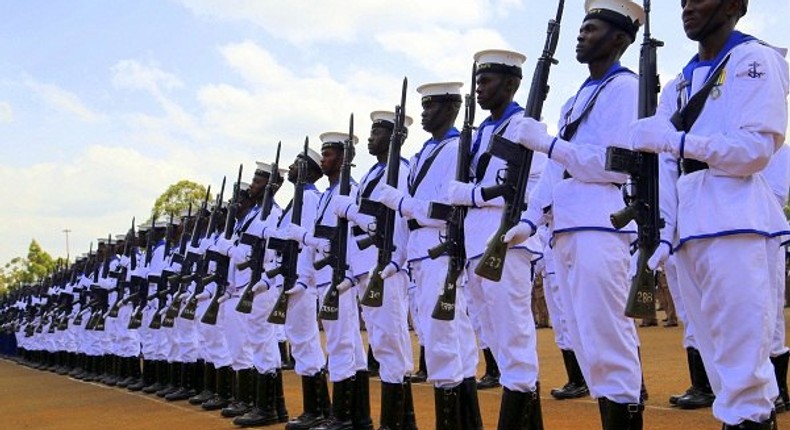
(279, 398)
(343, 393)
(172, 380)
(147, 378)
(491, 377)
(209, 378)
(782, 403)
(520, 411)
(160, 371)
(392, 408)
(621, 416)
(187, 383)
(223, 393)
(576, 386)
(263, 412)
(314, 403)
(361, 418)
(447, 404)
(470, 406)
(244, 395)
(409, 418)
(422, 370)
(769, 424)
(700, 395)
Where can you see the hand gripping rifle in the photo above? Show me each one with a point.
(338, 238)
(642, 201)
(222, 267)
(289, 249)
(453, 243)
(258, 244)
(518, 159)
(384, 236)
(176, 286)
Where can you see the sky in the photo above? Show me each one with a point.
(103, 104)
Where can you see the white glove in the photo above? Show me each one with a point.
(223, 245)
(297, 289)
(341, 205)
(260, 286)
(345, 284)
(463, 194)
(389, 270)
(540, 267)
(518, 233)
(659, 256)
(223, 298)
(390, 196)
(654, 135)
(205, 295)
(532, 134)
(125, 261)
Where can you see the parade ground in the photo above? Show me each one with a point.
(37, 400)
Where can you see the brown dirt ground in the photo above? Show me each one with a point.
(39, 400)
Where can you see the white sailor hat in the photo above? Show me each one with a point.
(244, 186)
(335, 139)
(313, 157)
(386, 119)
(142, 228)
(119, 237)
(440, 91)
(160, 225)
(624, 14)
(265, 169)
(500, 61)
(101, 240)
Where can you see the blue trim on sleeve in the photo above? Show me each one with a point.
(551, 147)
(671, 251)
(400, 203)
(682, 145)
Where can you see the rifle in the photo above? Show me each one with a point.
(220, 275)
(385, 217)
(453, 243)
(518, 159)
(160, 295)
(120, 274)
(202, 263)
(289, 249)
(175, 281)
(338, 237)
(642, 203)
(258, 244)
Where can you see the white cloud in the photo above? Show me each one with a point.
(305, 21)
(61, 100)
(6, 112)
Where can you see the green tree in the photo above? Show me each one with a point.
(177, 198)
(22, 270)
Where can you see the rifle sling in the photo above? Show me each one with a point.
(685, 117)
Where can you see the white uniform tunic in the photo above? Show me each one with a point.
(387, 325)
(301, 324)
(450, 351)
(727, 213)
(344, 345)
(502, 310)
(590, 257)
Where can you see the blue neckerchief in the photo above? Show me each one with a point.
(735, 39)
(613, 70)
(452, 132)
(310, 187)
(160, 243)
(511, 109)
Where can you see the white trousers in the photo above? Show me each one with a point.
(234, 326)
(778, 346)
(554, 302)
(263, 334)
(671, 272)
(344, 345)
(506, 318)
(592, 273)
(450, 348)
(729, 292)
(388, 328)
(301, 328)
